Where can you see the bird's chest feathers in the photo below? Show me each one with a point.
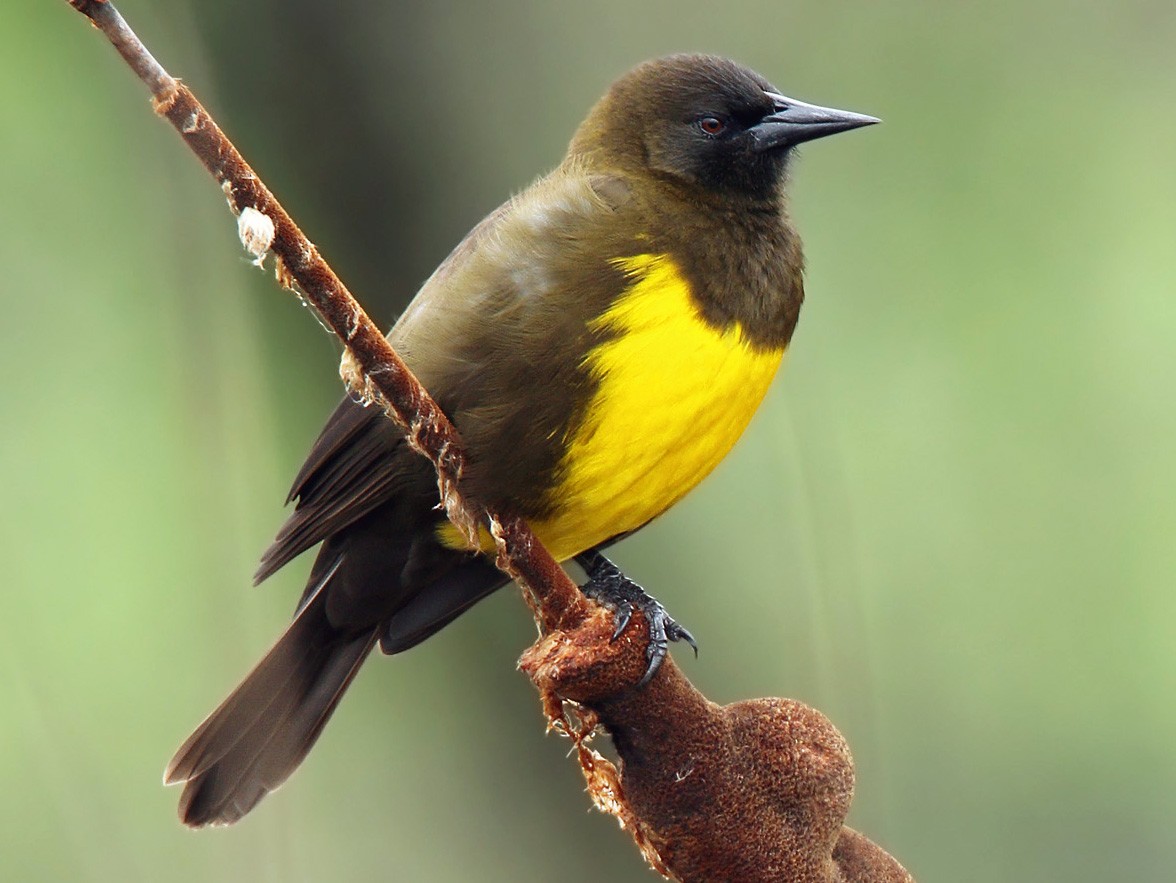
(674, 394)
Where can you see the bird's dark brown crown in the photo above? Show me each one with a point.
(687, 119)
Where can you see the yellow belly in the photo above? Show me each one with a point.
(674, 396)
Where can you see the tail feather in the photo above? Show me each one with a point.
(261, 733)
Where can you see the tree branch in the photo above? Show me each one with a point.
(755, 791)
(371, 368)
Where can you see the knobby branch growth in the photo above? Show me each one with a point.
(755, 791)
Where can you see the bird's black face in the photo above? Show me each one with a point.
(705, 136)
(714, 123)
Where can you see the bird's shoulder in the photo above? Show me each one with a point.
(553, 235)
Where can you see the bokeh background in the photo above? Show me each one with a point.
(951, 528)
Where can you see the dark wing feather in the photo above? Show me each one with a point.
(347, 421)
(357, 463)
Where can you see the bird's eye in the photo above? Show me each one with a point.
(712, 125)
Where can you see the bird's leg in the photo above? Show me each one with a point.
(610, 588)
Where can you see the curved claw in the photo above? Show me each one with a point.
(662, 630)
(621, 617)
(680, 633)
(609, 587)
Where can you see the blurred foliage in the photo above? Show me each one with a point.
(950, 528)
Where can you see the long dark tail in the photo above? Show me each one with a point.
(259, 735)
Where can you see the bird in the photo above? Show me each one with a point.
(600, 341)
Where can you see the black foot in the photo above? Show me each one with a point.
(610, 588)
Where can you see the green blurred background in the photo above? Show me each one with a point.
(951, 528)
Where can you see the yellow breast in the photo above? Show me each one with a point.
(674, 396)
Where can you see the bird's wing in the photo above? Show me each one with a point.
(471, 336)
(359, 460)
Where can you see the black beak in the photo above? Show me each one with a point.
(795, 122)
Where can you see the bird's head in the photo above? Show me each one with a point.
(706, 122)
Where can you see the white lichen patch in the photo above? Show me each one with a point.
(257, 233)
